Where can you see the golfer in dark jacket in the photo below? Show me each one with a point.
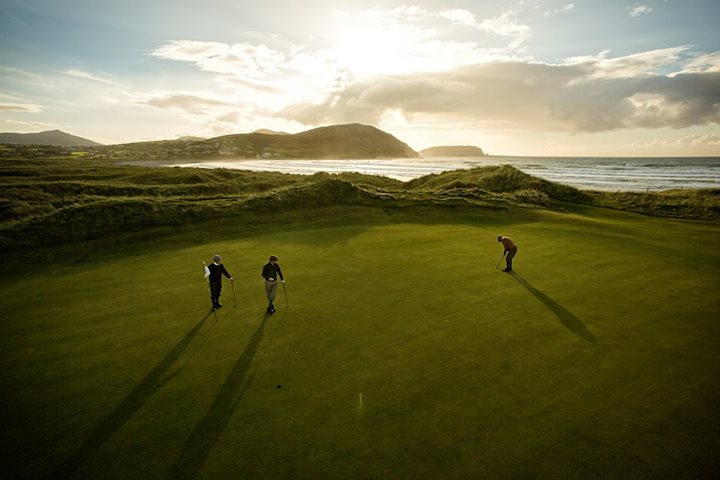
(510, 250)
(214, 272)
(270, 272)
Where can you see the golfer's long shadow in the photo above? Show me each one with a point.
(150, 384)
(567, 318)
(206, 433)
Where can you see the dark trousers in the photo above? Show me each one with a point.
(509, 257)
(215, 288)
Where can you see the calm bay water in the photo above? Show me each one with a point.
(581, 172)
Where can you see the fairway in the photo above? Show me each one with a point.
(404, 353)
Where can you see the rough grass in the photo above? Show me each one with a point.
(404, 353)
(697, 204)
(46, 202)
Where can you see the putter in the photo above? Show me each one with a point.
(498, 264)
(287, 304)
(214, 310)
(234, 297)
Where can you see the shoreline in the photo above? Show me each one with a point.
(614, 174)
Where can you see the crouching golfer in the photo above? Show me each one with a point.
(510, 251)
(214, 273)
(270, 272)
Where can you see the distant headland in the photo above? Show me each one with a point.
(453, 151)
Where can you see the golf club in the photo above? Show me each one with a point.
(498, 264)
(234, 296)
(287, 304)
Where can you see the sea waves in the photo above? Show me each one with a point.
(626, 174)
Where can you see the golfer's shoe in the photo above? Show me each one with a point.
(507, 270)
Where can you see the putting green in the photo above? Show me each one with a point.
(404, 353)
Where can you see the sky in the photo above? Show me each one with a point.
(529, 77)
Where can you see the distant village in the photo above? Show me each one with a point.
(154, 150)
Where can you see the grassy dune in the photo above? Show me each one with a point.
(52, 201)
(404, 353)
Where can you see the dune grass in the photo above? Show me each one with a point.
(404, 352)
(45, 202)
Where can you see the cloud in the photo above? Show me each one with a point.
(703, 63)
(685, 142)
(374, 41)
(400, 63)
(90, 76)
(21, 123)
(399, 15)
(17, 72)
(22, 77)
(506, 25)
(245, 59)
(459, 16)
(699, 140)
(258, 73)
(211, 112)
(190, 103)
(568, 7)
(572, 97)
(637, 9)
(633, 65)
(20, 108)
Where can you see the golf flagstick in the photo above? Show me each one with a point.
(287, 304)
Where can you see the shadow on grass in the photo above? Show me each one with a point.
(567, 318)
(207, 432)
(155, 379)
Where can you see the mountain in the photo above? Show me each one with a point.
(336, 142)
(348, 141)
(270, 132)
(453, 151)
(50, 137)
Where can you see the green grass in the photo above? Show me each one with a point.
(404, 353)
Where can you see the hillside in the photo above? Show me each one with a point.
(51, 137)
(347, 141)
(453, 151)
(337, 142)
(191, 138)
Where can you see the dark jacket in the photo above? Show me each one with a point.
(216, 272)
(272, 271)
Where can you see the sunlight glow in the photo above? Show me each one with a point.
(367, 52)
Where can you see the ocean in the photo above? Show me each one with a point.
(627, 174)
